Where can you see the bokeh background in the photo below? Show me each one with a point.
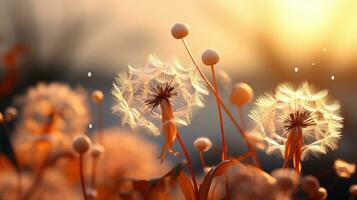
(261, 42)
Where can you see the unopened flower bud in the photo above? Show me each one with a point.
(97, 96)
(241, 94)
(202, 144)
(179, 30)
(81, 144)
(10, 113)
(97, 150)
(210, 57)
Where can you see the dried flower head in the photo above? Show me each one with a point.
(53, 108)
(202, 144)
(344, 169)
(297, 123)
(158, 95)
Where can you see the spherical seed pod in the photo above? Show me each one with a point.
(97, 150)
(10, 113)
(202, 144)
(241, 94)
(81, 144)
(210, 57)
(97, 96)
(310, 185)
(179, 30)
(353, 190)
(322, 193)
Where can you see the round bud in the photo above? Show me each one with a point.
(179, 30)
(10, 113)
(353, 190)
(322, 193)
(202, 144)
(97, 150)
(210, 57)
(81, 144)
(310, 185)
(241, 94)
(97, 96)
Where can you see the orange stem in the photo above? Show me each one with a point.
(224, 145)
(100, 122)
(240, 113)
(94, 172)
(82, 176)
(202, 160)
(189, 163)
(225, 108)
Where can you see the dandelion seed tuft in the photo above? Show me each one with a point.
(210, 57)
(179, 30)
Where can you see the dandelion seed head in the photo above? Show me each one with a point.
(139, 91)
(81, 144)
(318, 117)
(53, 108)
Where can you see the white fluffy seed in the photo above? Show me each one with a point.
(81, 144)
(210, 57)
(179, 30)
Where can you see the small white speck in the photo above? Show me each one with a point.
(89, 74)
(296, 69)
(324, 50)
(90, 125)
(332, 77)
(313, 64)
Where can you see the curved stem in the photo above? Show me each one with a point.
(94, 173)
(230, 115)
(189, 162)
(224, 145)
(82, 176)
(202, 158)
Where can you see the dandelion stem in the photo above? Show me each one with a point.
(240, 113)
(82, 176)
(94, 172)
(100, 121)
(202, 158)
(230, 115)
(189, 162)
(224, 145)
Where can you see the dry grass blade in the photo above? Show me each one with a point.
(157, 188)
(186, 186)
